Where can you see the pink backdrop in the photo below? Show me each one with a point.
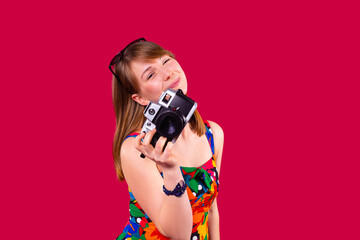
(280, 77)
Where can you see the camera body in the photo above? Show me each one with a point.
(169, 115)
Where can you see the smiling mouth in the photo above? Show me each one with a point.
(174, 84)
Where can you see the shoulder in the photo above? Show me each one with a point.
(128, 144)
(215, 127)
(218, 135)
(217, 131)
(131, 160)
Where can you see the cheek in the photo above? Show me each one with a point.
(174, 66)
(152, 91)
(151, 88)
(178, 67)
(184, 77)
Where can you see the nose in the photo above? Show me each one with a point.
(167, 74)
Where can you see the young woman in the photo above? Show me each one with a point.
(172, 192)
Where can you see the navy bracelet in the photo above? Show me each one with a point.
(178, 190)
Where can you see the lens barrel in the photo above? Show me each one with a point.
(170, 124)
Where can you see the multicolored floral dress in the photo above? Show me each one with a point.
(202, 188)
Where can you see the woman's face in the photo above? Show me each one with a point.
(156, 76)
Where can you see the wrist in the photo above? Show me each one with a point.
(179, 189)
(171, 172)
(172, 177)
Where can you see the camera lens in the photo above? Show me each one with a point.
(170, 125)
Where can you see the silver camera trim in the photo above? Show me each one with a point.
(192, 110)
(154, 106)
(148, 126)
(170, 92)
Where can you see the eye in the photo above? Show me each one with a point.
(150, 75)
(166, 60)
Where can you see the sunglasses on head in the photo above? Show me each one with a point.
(119, 56)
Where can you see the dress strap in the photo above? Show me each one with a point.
(132, 135)
(209, 136)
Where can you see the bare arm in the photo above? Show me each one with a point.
(171, 215)
(175, 212)
(213, 221)
(214, 218)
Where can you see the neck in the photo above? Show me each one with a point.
(186, 132)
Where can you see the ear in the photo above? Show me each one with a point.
(137, 98)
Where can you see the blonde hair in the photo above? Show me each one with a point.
(129, 114)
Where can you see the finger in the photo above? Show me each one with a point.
(159, 146)
(138, 139)
(149, 135)
(167, 151)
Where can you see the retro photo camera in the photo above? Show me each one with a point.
(169, 116)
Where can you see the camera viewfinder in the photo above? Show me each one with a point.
(166, 98)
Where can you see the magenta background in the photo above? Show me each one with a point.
(280, 77)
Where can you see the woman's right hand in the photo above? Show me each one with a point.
(165, 158)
